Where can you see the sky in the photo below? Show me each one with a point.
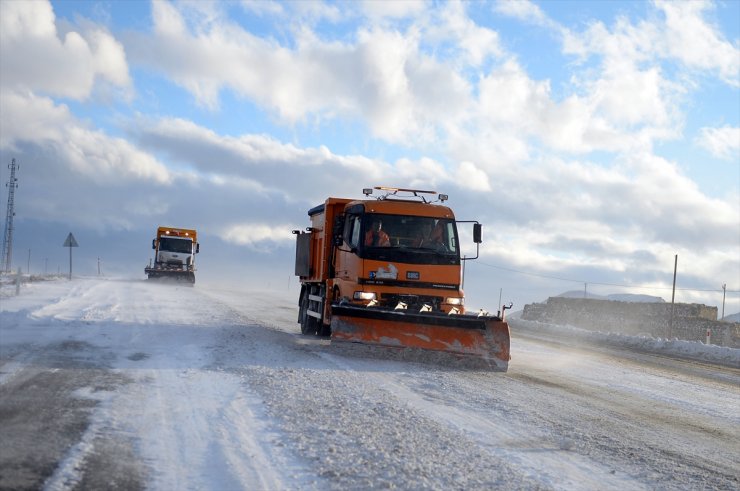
(595, 141)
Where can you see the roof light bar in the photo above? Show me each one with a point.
(391, 193)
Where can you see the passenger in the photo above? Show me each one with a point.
(376, 236)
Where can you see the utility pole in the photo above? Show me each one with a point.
(7, 256)
(673, 297)
(724, 292)
(29, 262)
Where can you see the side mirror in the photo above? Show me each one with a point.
(154, 243)
(477, 233)
(197, 247)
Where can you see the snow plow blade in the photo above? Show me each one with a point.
(484, 338)
(174, 275)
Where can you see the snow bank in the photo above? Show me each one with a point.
(692, 350)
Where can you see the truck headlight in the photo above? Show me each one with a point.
(364, 296)
(454, 301)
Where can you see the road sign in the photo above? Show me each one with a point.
(70, 242)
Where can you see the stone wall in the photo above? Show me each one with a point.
(690, 321)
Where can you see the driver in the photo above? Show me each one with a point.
(424, 237)
(430, 236)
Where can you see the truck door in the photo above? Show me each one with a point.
(348, 264)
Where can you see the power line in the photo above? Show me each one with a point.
(540, 275)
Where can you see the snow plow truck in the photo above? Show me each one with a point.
(174, 255)
(386, 271)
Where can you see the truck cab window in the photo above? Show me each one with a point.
(409, 239)
(172, 244)
(354, 230)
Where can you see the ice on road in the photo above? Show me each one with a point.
(133, 384)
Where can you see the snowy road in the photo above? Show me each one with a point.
(135, 385)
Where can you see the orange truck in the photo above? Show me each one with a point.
(386, 271)
(174, 254)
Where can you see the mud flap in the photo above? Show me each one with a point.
(484, 338)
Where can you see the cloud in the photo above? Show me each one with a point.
(473, 178)
(681, 34)
(73, 173)
(30, 119)
(250, 161)
(313, 171)
(690, 38)
(383, 78)
(723, 143)
(394, 10)
(414, 84)
(220, 55)
(629, 82)
(615, 219)
(263, 7)
(524, 10)
(514, 113)
(257, 235)
(32, 48)
(472, 45)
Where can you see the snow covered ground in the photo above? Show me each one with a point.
(130, 384)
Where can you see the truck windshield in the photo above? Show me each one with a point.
(411, 239)
(176, 244)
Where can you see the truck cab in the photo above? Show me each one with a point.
(385, 252)
(415, 262)
(174, 250)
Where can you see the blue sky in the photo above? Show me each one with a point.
(594, 140)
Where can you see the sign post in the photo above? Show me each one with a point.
(70, 242)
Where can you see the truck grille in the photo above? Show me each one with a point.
(414, 302)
